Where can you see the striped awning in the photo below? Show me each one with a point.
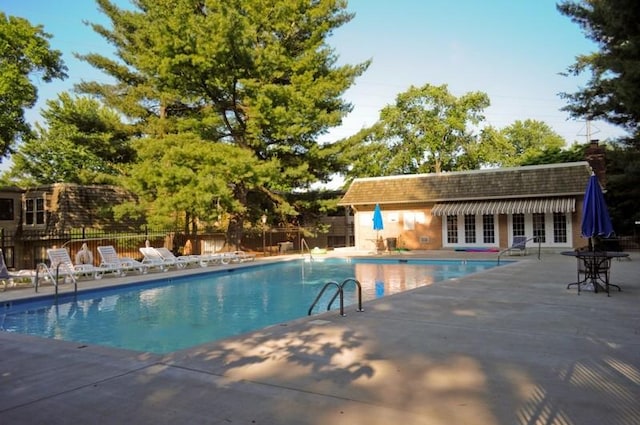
(506, 206)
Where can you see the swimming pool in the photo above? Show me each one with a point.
(167, 315)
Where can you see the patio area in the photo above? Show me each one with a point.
(508, 346)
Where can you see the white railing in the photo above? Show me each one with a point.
(304, 243)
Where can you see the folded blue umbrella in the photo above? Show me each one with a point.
(596, 221)
(377, 218)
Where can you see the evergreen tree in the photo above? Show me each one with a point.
(257, 75)
(613, 91)
(623, 191)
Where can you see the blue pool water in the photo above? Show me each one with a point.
(168, 315)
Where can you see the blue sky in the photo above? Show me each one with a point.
(513, 50)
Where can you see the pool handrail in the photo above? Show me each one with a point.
(534, 239)
(324, 288)
(354, 280)
(340, 292)
(304, 243)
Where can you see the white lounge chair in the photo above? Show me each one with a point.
(212, 259)
(182, 260)
(60, 265)
(241, 257)
(8, 278)
(109, 259)
(153, 260)
(4, 272)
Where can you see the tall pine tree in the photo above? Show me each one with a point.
(255, 75)
(613, 91)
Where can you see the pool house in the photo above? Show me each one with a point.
(479, 209)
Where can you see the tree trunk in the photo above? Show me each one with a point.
(235, 231)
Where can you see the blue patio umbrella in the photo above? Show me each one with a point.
(377, 219)
(377, 225)
(595, 216)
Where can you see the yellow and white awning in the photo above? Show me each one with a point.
(506, 206)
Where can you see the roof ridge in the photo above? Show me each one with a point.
(480, 171)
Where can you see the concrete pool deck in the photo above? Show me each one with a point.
(507, 346)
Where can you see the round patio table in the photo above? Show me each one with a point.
(597, 265)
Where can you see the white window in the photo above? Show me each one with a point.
(410, 219)
(470, 228)
(452, 229)
(34, 211)
(539, 227)
(518, 227)
(488, 229)
(559, 228)
(366, 219)
(542, 226)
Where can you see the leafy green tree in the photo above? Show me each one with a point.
(24, 51)
(430, 130)
(613, 91)
(491, 149)
(256, 75)
(427, 130)
(529, 139)
(83, 142)
(556, 155)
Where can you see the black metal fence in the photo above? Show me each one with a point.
(27, 250)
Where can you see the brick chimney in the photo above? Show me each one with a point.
(595, 156)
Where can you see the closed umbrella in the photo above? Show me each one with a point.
(377, 224)
(377, 219)
(596, 222)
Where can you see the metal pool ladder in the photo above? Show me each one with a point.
(304, 243)
(339, 292)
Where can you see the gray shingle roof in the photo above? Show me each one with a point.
(568, 179)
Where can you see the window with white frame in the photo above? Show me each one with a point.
(552, 229)
(452, 229)
(488, 229)
(469, 228)
(538, 228)
(34, 211)
(559, 228)
(517, 226)
(410, 219)
(366, 219)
